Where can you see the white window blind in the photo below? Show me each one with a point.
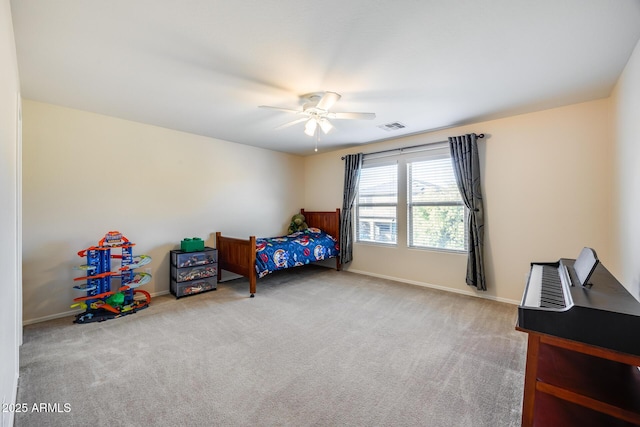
(377, 204)
(435, 211)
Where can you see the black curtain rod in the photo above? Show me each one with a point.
(413, 146)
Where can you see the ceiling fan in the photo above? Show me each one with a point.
(315, 112)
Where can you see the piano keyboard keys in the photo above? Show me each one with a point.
(551, 293)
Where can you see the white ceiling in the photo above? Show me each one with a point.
(204, 66)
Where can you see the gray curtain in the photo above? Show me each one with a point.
(352, 167)
(466, 166)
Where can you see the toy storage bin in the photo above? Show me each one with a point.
(189, 259)
(193, 273)
(193, 244)
(193, 287)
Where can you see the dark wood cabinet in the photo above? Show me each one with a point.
(568, 383)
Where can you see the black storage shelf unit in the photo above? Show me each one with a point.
(194, 272)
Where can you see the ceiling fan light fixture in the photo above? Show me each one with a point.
(310, 127)
(325, 125)
(316, 113)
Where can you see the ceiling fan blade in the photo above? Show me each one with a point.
(327, 100)
(352, 116)
(288, 110)
(286, 125)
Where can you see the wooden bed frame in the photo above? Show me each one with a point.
(239, 255)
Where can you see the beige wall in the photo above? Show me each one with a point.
(547, 180)
(86, 174)
(627, 172)
(10, 326)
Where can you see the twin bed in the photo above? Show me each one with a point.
(254, 258)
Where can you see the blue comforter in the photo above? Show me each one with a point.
(299, 248)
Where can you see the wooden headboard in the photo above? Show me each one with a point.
(326, 221)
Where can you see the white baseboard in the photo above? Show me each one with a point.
(50, 317)
(439, 287)
(72, 312)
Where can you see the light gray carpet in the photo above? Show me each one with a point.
(315, 347)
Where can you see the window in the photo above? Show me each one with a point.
(377, 204)
(419, 187)
(435, 211)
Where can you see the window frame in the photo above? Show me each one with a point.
(440, 154)
(404, 220)
(394, 221)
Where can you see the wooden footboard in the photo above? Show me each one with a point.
(239, 255)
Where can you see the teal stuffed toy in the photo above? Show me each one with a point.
(297, 224)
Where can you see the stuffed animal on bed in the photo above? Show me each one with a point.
(297, 224)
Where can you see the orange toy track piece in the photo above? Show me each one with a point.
(98, 276)
(83, 252)
(145, 293)
(102, 295)
(119, 242)
(109, 308)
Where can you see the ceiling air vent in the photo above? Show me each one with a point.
(392, 126)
